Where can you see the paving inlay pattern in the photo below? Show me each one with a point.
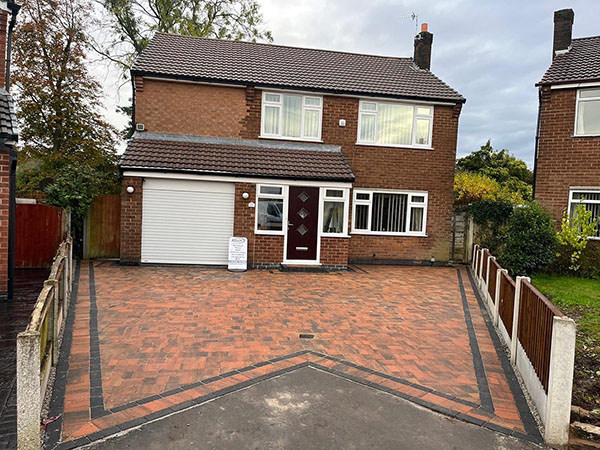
(148, 341)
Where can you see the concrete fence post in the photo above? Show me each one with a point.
(560, 382)
(515, 325)
(481, 265)
(499, 273)
(487, 278)
(474, 258)
(28, 390)
(53, 325)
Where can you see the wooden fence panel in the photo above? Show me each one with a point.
(494, 268)
(507, 301)
(103, 228)
(39, 231)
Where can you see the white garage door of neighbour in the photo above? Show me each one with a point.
(186, 222)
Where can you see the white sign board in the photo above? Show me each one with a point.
(238, 254)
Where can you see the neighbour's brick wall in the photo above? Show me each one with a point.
(187, 108)
(334, 251)
(131, 220)
(563, 160)
(4, 219)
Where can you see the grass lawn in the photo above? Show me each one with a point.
(579, 298)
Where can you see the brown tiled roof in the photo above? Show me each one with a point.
(288, 67)
(237, 157)
(581, 63)
(8, 118)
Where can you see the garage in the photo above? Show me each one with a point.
(186, 222)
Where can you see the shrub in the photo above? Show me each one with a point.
(491, 216)
(573, 234)
(528, 240)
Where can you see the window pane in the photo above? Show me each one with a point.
(361, 221)
(418, 199)
(367, 128)
(334, 193)
(312, 101)
(588, 93)
(272, 98)
(270, 214)
(311, 123)
(394, 124)
(389, 212)
(586, 195)
(271, 190)
(271, 120)
(333, 217)
(423, 111)
(416, 219)
(588, 119)
(292, 115)
(363, 196)
(422, 132)
(368, 106)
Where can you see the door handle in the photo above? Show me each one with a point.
(290, 224)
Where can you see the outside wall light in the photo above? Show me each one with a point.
(245, 195)
(130, 189)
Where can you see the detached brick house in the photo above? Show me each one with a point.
(567, 162)
(317, 157)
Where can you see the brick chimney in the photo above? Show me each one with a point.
(563, 30)
(423, 42)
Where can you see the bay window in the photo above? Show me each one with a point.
(269, 209)
(292, 116)
(591, 200)
(395, 124)
(389, 212)
(335, 212)
(587, 120)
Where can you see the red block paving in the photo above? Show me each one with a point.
(162, 328)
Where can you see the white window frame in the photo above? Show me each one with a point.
(576, 201)
(345, 200)
(409, 206)
(416, 116)
(279, 104)
(577, 103)
(283, 196)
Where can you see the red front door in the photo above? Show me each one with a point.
(303, 215)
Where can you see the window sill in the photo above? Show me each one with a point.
(578, 136)
(268, 233)
(282, 138)
(375, 233)
(329, 235)
(410, 147)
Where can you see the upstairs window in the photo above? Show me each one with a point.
(591, 200)
(587, 122)
(292, 116)
(395, 124)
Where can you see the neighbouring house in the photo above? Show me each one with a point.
(567, 160)
(8, 156)
(316, 157)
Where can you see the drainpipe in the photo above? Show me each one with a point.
(14, 8)
(537, 139)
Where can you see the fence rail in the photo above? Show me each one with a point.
(540, 337)
(37, 346)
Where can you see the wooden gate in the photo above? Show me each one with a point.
(102, 228)
(39, 231)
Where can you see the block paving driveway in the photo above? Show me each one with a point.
(144, 342)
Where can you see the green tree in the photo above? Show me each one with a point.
(510, 172)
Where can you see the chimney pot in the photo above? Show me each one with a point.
(423, 42)
(563, 30)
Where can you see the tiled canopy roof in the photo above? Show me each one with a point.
(237, 157)
(581, 63)
(8, 119)
(289, 67)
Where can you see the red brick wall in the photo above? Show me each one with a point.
(186, 108)
(4, 218)
(131, 220)
(563, 160)
(334, 251)
(374, 167)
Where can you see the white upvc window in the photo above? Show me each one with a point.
(270, 209)
(291, 116)
(397, 213)
(588, 197)
(587, 117)
(395, 124)
(334, 207)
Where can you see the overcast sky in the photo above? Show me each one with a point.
(492, 52)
